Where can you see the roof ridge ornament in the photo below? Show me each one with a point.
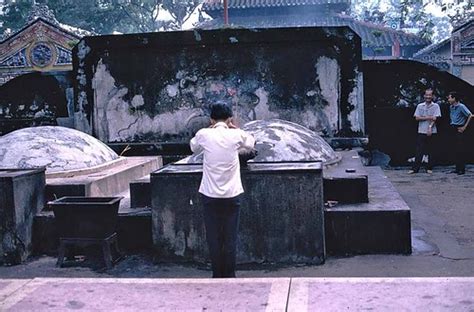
(40, 10)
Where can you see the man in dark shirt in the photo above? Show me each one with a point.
(460, 117)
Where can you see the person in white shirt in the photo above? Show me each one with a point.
(426, 114)
(221, 185)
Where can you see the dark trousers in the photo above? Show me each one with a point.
(459, 150)
(424, 146)
(221, 217)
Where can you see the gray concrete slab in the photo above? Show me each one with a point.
(381, 294)
(9, 286)
(150, 295)
(241, 294)
(109, 181)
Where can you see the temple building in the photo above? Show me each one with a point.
(454, 54)
(42, 45)
(462, 48)
(378, 42)
(35, 72)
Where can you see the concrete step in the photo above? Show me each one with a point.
(346, 182)
(380, 226)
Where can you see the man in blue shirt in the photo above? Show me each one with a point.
(460, 117)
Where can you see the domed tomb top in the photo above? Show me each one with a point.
(280, 140)
(57, 148)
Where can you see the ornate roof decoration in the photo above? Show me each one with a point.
(42, 11)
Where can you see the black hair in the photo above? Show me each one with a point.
(221, 111)
(454, 94)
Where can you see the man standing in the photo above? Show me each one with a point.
(460, 117)
(426, 114)
(221, 185)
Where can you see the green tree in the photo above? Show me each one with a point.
(90, 15)
(14, 16)
(144, 14)
(103, 16)
(416, 15)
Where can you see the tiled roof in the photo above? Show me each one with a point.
(369, 33)
(210, 5)
(380, 35)
(458, 27)
(433, 47)
(59, 26)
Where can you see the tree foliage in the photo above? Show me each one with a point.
(104, 16)
(432, 20)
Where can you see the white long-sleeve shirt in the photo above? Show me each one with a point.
(221, 167)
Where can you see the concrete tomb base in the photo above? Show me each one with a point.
(383, 225)
(21, 197)
(352, 225)
(365, 214)
(281, 218)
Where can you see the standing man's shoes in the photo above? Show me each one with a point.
(429, 171)
(412, 172)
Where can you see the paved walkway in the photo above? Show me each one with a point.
(257, 294)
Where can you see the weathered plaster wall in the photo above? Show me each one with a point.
(392, 91)
(158, 87)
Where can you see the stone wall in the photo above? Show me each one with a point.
(158, 86)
